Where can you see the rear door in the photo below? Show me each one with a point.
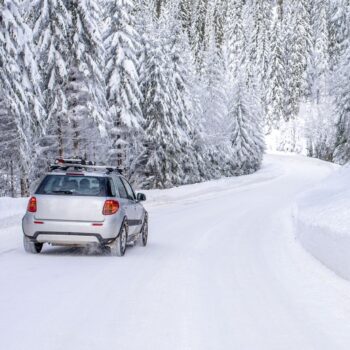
(140, 210)
(131, 194)
(127, 203)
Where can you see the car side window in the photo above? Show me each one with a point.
(111, 188)
(120, 187)
(129, 189)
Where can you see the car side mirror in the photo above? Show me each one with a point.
(141, 197)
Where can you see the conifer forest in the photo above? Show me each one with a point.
(172, 92)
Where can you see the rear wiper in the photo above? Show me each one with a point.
(63, 191)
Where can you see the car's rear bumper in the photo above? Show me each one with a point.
(69, 239)
(71, 232)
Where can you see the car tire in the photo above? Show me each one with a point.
(143, 236)
(31, 247)
(118, 247)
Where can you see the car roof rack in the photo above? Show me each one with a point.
(76, 160)
(81, 164)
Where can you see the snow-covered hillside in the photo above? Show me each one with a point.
(223, 270)
(323, 220)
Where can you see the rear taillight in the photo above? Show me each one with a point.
(32, 205)
(110, 207)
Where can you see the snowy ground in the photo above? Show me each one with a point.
(223, 270)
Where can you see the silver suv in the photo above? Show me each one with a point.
(80, 204)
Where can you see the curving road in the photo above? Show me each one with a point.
(222, 271)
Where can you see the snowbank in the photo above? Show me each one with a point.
(323, 222)
(12, 206)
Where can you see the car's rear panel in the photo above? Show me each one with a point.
(69, 218)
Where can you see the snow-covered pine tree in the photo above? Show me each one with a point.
(122, 43)
(339, 34)
(319, 63)
(320, 124)
(157, 164)
(259, 48)
(86, 90)
(276, 75)
(297, 56)
(166, 127)
(235, 37)
(338, 30)
(246, 131)
(183, 100)
(198, 18)
(145, 19)
(50, 21)
(297, 26)
(341, 91)
(342, 150)
(21, 111)
(199, 30)
(197, 134)
(214, 101)
(220, 16)
(186, 7)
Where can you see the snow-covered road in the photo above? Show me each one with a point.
(222, 271)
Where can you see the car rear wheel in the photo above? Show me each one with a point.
(118, 247)
(143, 238)
(32, 247)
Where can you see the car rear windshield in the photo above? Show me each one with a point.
(76, 185)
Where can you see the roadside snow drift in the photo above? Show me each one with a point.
(323, 222)
(12, 206)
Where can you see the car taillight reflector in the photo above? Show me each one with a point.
(110, 207)
(32, 207)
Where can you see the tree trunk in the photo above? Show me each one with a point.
(60, 136)
(12, 180)
(75, 139)
(159, 7)
(24, 184)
